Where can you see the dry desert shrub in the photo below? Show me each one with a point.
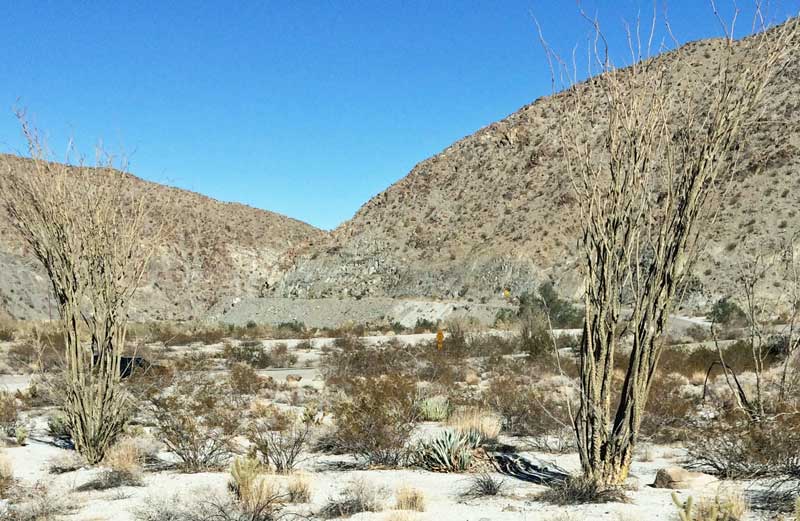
(409, 498)
(32, 354)
(357, 496)
(209, 508)
(254, 354)
(171, 335)
(244, 380)
(744, 450)
(109, 479)
(9, 414)
(671, 409)
(68, 461)
(350, 358)
(39, 503)
(7, 331)
(278, 439)
(528, 410)
(197, 421)
(376, 418)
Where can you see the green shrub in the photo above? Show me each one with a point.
(727, 313)
(435, 408)
(563, 315)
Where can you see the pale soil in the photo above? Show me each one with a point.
(442, 491)
(30, 464)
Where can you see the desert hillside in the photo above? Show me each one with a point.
(214, 250)
(496, 209)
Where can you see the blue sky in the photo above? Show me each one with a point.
(303, 108)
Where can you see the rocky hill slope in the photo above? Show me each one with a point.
(214, 251)
(495, 210)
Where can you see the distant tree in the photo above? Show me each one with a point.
(727, 313)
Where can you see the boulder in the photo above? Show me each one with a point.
(675, 477)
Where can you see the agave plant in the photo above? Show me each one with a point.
(447, 451)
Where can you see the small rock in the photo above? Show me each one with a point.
(675, 477)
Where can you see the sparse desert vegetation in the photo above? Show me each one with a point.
(630, 388)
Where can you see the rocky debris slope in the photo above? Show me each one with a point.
(495, 210)
(213, 250)
(336, 312)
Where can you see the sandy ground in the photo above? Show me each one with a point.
(30, 464)
(442, 491)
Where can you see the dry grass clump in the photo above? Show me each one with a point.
(401, 515)
(357, 496)
(298, 488)
(484, 484)
(409, 498)
(252, 489)
(39, 503)
(486, 424)
(6, 476)
(69, 461)
(725, 506)
(577, 490)
(125, 456)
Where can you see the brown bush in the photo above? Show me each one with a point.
(253, 353)
(744, 450)
(243, 379)
(197, 421)
(527, 411)
(172, 335)
(9, 413)
(7, 332)
(350, 358)
(278, 440)
(669, 412)
(376, 419)
(26, 355)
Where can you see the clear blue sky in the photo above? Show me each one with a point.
(304, 108)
